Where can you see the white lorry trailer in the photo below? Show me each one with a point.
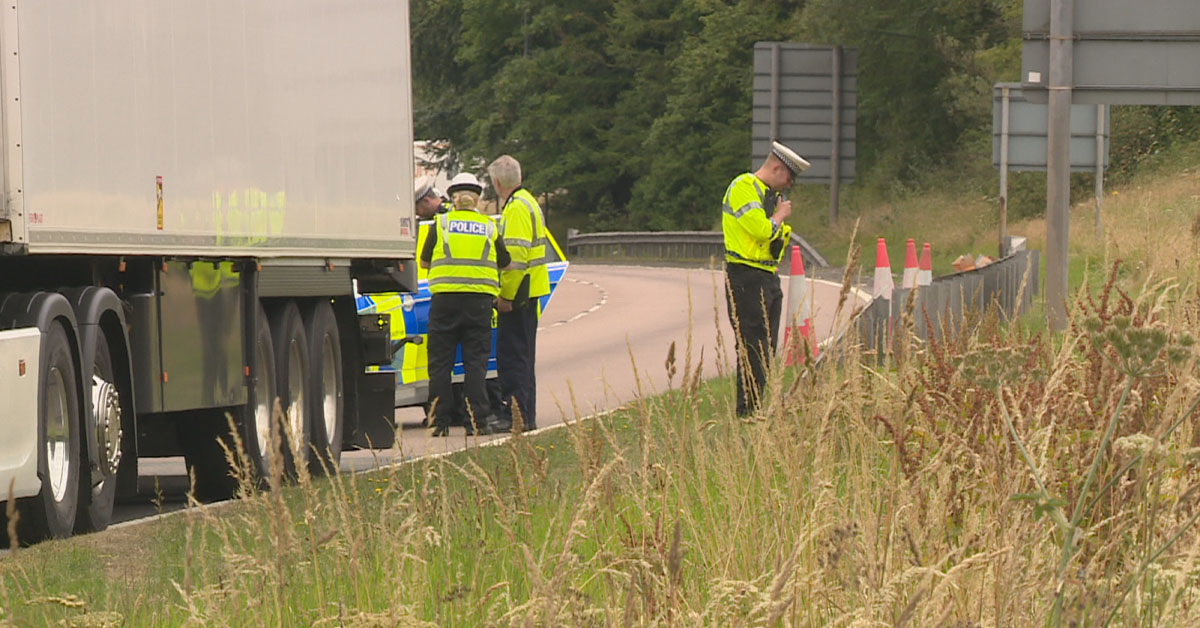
(190, 192)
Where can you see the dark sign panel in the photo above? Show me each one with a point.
(794, 95)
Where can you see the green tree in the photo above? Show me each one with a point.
(437, 75)
(922, 81)
(702, 138)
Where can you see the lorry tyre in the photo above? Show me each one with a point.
(292, 375)
(96, 505)
(260, 411)
(326, 393)
(51, 513)
(107, 402)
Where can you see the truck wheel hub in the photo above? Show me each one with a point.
(107, 403)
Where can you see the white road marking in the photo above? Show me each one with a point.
(599, 304)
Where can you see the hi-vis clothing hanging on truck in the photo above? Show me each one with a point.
(464, 255)
(751, 238)
(523, 228)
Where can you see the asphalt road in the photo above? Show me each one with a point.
(602, 341)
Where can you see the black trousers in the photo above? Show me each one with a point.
(516, 356)
(755, 303)
(459, 320)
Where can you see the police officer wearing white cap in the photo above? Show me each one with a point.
(753, 219)
(429, 200)
(463, 254)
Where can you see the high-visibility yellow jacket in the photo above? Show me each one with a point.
(464, 256)
(423, 227)
(749, 233)
(523, 228)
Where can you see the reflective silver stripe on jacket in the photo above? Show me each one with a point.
(521, 242)
(741, 211)
(542, 241)
(465, 281)
(765, 262)
(450, 261)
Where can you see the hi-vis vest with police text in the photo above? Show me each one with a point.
(464, 256)
(748, 231)
(524, 231)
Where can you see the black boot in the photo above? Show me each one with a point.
(500, 426)
(484, 429)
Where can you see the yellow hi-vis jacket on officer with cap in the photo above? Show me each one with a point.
(749, 233)
(524, 231)
(464, 256)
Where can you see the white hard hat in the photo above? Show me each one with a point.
(422, 187)
(794, 162)
(465, 181)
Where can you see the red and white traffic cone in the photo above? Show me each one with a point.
(925, 275)
(910, 265)
(799, 331)
(884, 285)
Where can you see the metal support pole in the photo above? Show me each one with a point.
(835, 152)
(1004, 98)
(1101, 110)
(775, 71)
(1058, 161)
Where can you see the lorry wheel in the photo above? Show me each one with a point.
(325, 389)
(96, 510)
(292, 380)
(51, 513)
(259, 413)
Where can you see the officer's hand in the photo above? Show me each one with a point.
(504, 305)
(782, 211)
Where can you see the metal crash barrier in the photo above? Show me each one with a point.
(951, 304)
(665, 246)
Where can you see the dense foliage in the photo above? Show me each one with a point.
(636, 113)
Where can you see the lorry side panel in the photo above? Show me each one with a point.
(272, 128)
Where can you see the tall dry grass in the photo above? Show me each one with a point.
(1006, 478)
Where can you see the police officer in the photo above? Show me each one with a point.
(429, 203)
(523, 228)
(753, 218)
(429, 200)
(463, 254)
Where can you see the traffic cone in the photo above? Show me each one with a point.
(884, 285)
(925, 275)
(799, 312)
(910, 265)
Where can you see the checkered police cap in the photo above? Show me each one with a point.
(422, 187)
(795, 163)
